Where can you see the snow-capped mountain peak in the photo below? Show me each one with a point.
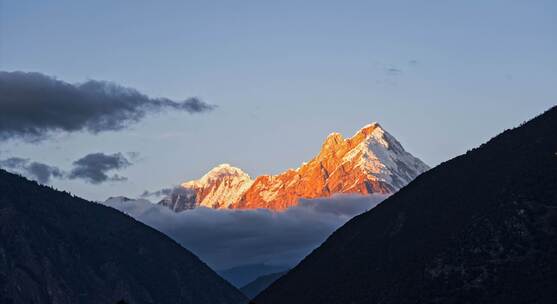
(371, 161)
(217, 173)
(382, 157)
(220, 187)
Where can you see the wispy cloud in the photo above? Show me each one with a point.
(393, 71)
(157, 193)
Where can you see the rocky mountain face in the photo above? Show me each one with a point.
(58, 248)
(480, 228)
(371, 161)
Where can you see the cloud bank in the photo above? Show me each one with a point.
(35, 105)
(228, 238)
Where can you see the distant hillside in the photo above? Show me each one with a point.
(258, 285)
(480, 228)
(239, 276)
(57, 248)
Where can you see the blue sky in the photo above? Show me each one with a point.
(441, 76)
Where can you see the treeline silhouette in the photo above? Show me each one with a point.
(58, 248)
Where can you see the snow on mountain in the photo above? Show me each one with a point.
(383, 158)
(371, 161)
(217, 189)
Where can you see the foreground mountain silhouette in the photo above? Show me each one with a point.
(480, 228)
(57, 248)
(371, 161)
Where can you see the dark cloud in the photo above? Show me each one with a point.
(14, 162)
(34, 105)
(157, 193)
(43, 173)
(94, 167)
(228, 238)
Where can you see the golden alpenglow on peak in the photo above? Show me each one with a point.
(371, 161)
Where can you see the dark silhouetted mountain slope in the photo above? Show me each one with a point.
(480, 228)
(239, 276)
(57, 248)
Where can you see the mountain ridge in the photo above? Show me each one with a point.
(59, 248)
(480, 228)
(371, 161)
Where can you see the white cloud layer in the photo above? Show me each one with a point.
(228, 238)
